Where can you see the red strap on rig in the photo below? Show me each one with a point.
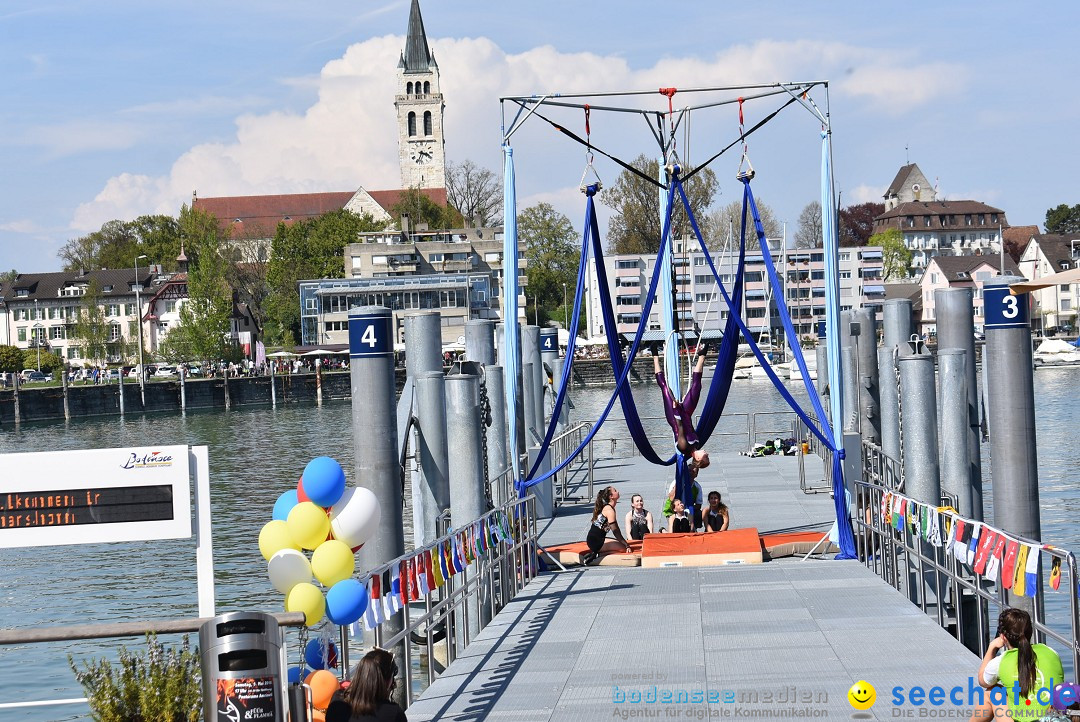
(670, 93)
(740, 116)
(587, 131)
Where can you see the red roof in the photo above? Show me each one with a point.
(260, 215)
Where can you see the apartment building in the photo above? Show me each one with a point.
(698, 301)
(958, 272)
(1053, 308)
(458, 272)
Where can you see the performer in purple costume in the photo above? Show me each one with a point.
(680, 413)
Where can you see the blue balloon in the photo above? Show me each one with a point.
(297, 675)
(284, 504)
(323, 481)
(318, 657)
(346, 601)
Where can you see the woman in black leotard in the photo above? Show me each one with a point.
(716, 516)
(638, 519)
(603, 520)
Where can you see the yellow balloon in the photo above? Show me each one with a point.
(274, 537)
(308, 524)
(306, 597)
(332, 562)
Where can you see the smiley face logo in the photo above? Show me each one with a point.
(862, 695)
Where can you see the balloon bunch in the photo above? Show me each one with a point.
(332, 522)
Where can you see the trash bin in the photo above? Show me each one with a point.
(241, 668)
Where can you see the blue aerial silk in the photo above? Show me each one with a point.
(511, 340)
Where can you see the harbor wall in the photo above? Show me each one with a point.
(47, 404)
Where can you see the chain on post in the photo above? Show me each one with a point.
(303, 636)
(485, 422)
(899, 418)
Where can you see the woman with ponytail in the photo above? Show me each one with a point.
(1033, 668)
(603, 521)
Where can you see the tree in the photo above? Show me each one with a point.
(117, 243)
(1063, 219)
(90, 329)
(474, 192)
(309, 249)
(636, 225)
(728, 223)
(11, 358)
(857, 223)
(421, 209)
(8, 277)
(896, 258)
(809, 233)
(552, 253)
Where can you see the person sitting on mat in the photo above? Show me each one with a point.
(679, 413)
(681, 522)
(697, 495)
(603, 521)
(1022, 666)
(638, 520)
(716, 516)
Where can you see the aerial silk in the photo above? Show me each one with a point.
(511, 341)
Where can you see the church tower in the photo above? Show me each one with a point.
(419, 103)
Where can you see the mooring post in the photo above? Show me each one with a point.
(273, 386)
(922, 473)
(15, 390)
(120, 389)
(559, 366)
(1011, 392)
(869, 403)
(466, 472)
(480, 341)
(225, 383)
(374, 428)
(423, 354)
(896, 332)
(953, 397)
(954, 309)
(64, 385)
(530, 354)
(494, 377)
(318, 382)
(183, 390)
(896, 324)
(549, 357)
(434, 487)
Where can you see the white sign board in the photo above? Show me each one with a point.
(99, 495)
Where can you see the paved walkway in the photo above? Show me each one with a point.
(782, 639)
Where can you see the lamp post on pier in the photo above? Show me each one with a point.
(138, 317)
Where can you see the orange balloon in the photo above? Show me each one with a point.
(323, 684)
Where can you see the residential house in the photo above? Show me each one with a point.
(959, 272)
(1054, 308)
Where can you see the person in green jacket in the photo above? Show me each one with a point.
(1026, 672)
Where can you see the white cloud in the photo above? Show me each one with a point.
(863, 194)
(21, 225)
(348, 137)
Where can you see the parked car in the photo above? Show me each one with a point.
(165, 371)
(25, 373)
(36, 377)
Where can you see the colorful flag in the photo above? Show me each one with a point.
(973, 543)
(395, 589)
(986, 546)
(1020, 582)
(414, 578)
(886, 507)
(1031, 572)
(423, 581)
(375, 605)
(1008, 564)
(444, 567)
(434, 568)
(901, 516)
(935, 528)
(950, 539)
(1055, 574)
(961, 539)
(993, 566)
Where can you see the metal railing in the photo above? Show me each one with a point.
(932, 578)
(469, 600)
(116, 630)
(502, 485)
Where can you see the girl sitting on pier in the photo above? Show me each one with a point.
(638, 520)
(716, 516)
(680, 413)
(603, 520)
(1033, 666)
(681, 523)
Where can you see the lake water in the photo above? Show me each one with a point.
(256, 454)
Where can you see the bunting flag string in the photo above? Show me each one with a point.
(989, 552)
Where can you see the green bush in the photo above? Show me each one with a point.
(160, 685)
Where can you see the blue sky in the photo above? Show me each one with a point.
(112, 110)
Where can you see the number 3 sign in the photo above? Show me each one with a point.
(1004, 310)
(371, 335)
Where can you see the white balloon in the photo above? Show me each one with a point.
(288, 568)
(355, 517)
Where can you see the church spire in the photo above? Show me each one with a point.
(417, 57)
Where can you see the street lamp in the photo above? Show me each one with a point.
(37, 342)
(138, 314)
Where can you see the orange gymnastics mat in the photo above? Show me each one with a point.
(735, 546)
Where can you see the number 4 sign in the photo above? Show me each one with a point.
(1004, 310)
(370, 335)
